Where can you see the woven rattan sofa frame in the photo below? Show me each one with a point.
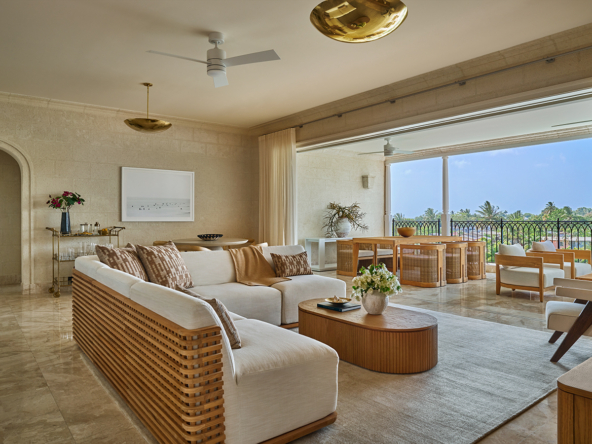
(170, 377)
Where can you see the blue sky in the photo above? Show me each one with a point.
(514, 179)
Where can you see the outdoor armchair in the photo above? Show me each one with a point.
(571, 268)
(573, 318)
(530, 272)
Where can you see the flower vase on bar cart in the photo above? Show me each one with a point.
(64, 202)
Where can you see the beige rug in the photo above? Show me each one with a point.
(487, 374)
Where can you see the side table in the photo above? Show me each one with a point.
(322, 265)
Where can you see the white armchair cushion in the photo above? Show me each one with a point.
(529, 277)
(543, 246)
(582, 268)
(209, 267)
(284, 381)
(512, 250)
(562, 315)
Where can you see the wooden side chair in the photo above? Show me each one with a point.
(476, 260)
(456, 262)
(571, 268)
(423, 265)
(573, 318)
(346, 257)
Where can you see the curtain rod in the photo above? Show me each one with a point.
(462, 82)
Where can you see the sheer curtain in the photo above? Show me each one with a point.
(277, 188)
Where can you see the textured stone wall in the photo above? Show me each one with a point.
(335, 175)
(82, 148)
(10, 220)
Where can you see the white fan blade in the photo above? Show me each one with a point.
(178, 57)
(256, 57)
(220, 80)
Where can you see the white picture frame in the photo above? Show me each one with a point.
(150, 195)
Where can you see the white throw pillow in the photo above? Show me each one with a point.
(543, 246)
(512, 250)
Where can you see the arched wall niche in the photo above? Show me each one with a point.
(26, 211)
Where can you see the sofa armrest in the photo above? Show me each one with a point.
(579, 254)
(530, 261)
(548, 257)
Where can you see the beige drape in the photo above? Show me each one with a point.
(277, 188)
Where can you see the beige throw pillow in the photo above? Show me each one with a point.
(223, 314)
(122, 259)
(291, 265)
(543, 246)
(512, 250)
(165, 266)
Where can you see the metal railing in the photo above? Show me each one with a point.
(423, 227)
(573, 234)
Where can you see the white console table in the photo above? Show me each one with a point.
(322, 266)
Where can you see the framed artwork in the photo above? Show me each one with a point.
(149, 195)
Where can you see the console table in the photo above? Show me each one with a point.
(322, 241)
(574, 405)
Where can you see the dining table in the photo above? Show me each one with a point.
(217, 244)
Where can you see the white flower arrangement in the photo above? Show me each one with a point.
(375, 279)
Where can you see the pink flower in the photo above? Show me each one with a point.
(78, 202)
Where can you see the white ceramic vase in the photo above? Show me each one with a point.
(375, 303)
(343, 227)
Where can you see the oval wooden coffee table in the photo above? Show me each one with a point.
(398, 341)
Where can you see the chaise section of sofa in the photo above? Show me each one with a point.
(168, 356)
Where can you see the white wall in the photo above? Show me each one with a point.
(335, 175)
(82, 148)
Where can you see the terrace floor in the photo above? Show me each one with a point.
(51, 393)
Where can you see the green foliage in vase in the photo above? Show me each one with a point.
(353, 213)
(65, 200)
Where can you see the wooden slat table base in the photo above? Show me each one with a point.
(395, 351)
(169, 376)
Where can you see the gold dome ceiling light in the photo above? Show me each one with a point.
(358, 21)
(148, 125)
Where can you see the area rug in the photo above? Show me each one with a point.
(487, 374)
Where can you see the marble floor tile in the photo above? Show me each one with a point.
(39, 360)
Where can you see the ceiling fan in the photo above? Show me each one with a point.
(389, 150)
(217, 61)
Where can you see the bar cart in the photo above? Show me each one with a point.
(59, 281)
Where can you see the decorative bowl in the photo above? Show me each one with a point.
(338, 301)
(210, 237)
(406, 231)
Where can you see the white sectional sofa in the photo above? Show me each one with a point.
(279, 384)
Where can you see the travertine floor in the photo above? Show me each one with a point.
(49, 392)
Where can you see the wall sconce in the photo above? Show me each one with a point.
(368, 181)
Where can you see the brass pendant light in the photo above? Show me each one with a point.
(358, 21)
(148, 125)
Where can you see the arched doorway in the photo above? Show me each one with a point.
(26, 220)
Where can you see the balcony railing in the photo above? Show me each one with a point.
(573, 234)
(423, 227)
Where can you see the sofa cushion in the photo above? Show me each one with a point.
(209, 267)
(263, 303)
(562, 315)
(529, 277)
(280, 249)
(165, 266)
(117, 280)
(543, 246)
(582, 268)
(512, 250)
(303, 288)
(291, 264)
(89, 265)
(277, 367)
(122, 259)
(222, 313)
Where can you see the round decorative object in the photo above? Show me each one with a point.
(343, 227)
(358, 21)
(375, 303)
(338, 301)
(406, 231)
(210, 237)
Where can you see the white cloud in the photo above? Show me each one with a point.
(460, 163)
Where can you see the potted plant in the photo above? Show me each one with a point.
(64, 202)
(374, 286)
(340, 219)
